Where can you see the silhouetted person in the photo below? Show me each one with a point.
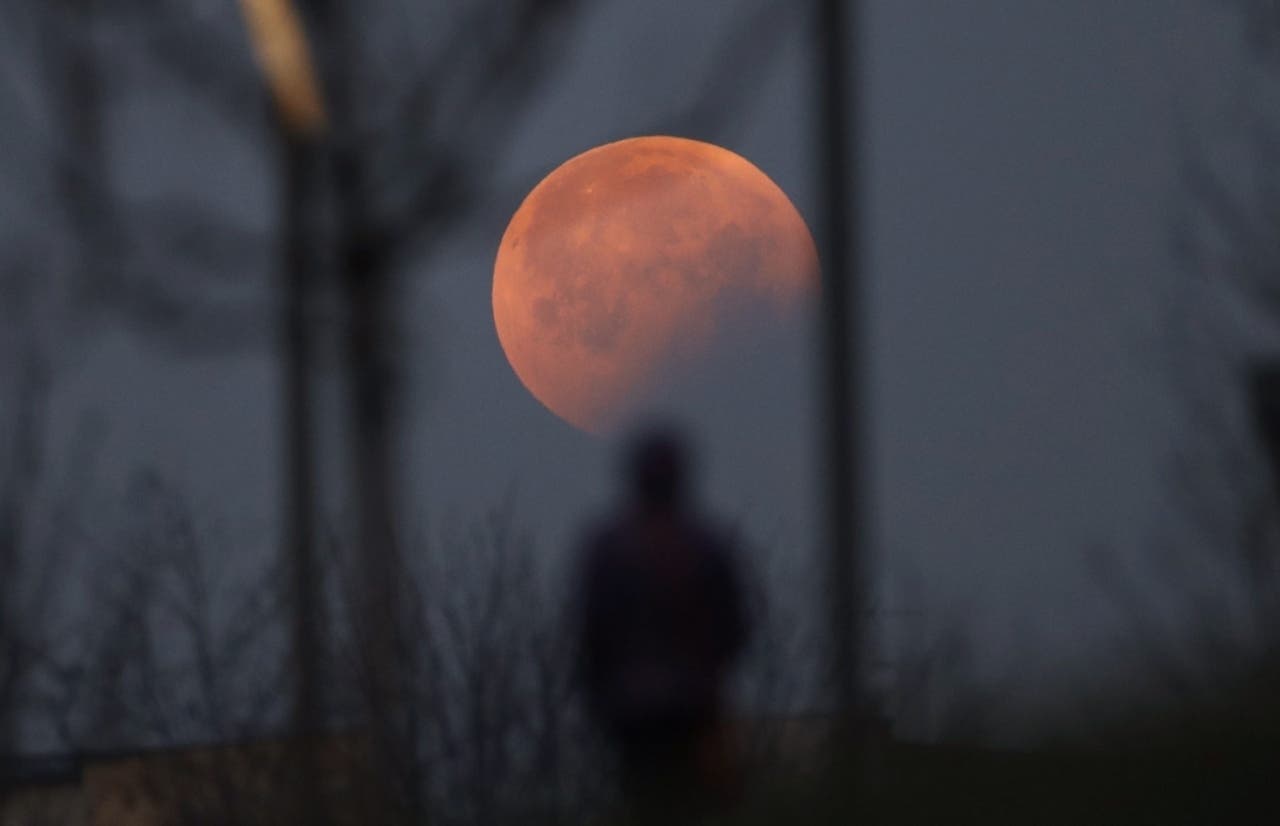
(661, 621)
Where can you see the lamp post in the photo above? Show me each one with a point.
(284, 57)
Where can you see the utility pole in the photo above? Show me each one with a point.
(366, 280)
(842, 252)
(282, 51)
(298, 421)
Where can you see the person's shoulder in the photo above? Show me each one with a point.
(715, 536)
(600, 536)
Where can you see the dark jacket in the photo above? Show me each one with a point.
(661, 617)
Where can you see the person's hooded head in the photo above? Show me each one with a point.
(659, 467)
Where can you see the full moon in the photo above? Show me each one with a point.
(633, 261)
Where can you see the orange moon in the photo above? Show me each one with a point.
(627, 261)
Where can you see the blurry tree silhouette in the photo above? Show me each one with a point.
(184, 645)
(1205, 606)
(173, 653)
(1261, 19)
(487, 666)
(180, 652)
(42, 292)
(931, 690)
(408, 158)
(41, 493)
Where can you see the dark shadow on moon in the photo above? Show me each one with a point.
(752, 390)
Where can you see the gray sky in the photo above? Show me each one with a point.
(1021, 176)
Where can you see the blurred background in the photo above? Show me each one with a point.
(283, 538)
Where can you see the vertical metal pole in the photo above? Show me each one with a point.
(842, 246)
(284, 56)
(372, 445)
(366, 280)
(297, 422)
(1264, 398)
